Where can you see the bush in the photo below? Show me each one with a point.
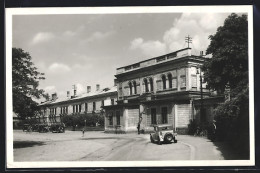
(233, 122)
(79, 119)
(192, 126)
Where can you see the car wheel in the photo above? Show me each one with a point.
(168, 138)
(159, 142)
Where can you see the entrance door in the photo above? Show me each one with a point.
(153, 116)
(164, 115)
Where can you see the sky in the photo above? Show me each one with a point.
(86, 49)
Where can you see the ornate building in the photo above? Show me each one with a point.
(159, 90)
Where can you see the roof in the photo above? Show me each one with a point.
(82, 96)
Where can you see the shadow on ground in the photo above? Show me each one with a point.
(229, 152)
(25, 144)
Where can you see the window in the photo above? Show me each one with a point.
(164, 115)
(153, 116)
(183, 81)
(86, 107)
(110, 118)
(55, 111)
(80, 108)
(112, 101)
(146, 85)
(182, 73)
(117, 117)
(170, 80)
(76, 108)
(164, 81)
(94, 106)
(130, 88)
(193, 81)
(61, 110)
(102, 103)
(135, 91)
(151, 84)
(73, 108)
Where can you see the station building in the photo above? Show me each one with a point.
(160, 90)
(54, 109)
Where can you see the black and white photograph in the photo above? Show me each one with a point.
(130, 86)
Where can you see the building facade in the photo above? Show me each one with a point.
(53, 110)
(159, 90)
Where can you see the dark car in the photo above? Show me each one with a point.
(163, 133)
(27, 127)
(58, 128)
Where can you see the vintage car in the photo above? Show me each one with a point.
(58, 128)
(27, 127)
(163, 133)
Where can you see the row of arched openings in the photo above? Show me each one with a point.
(164, 79)
(148, 84)
(132, 87)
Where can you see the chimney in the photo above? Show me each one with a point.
(54, 96)
(88, 89)
(97, 87)
(115, 82)
(68, 94)
(75, 90)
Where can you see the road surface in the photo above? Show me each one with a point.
(99, 146)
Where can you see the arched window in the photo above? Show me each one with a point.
(164, 81)
(146, 85)
(130, 88)
(151, 84)
(170, 80)
(135, 91)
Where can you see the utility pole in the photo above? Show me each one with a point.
(201, 95)
(188, 40)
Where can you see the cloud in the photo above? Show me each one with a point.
(69, 33)
(49, 88)
(82, 66)
(99, 35)
(149, 48)
(198, 25)
(42, 37)
(59, 68)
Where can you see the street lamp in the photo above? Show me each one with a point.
(201, 95)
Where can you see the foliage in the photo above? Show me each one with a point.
(79, 119)
(25, 80)
(229, 49)
(233, 122)
(229, 67)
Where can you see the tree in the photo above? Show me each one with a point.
(229, 67)
(229, 49)
(25, 80)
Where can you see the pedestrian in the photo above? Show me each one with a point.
(138, 128)
(214, 129)
(83, 131)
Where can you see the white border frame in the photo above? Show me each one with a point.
(115, 10)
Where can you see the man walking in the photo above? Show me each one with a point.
(83, 132)
(138, 128)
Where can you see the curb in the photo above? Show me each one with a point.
(192, 150)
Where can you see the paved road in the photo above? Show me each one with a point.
(98, 146)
